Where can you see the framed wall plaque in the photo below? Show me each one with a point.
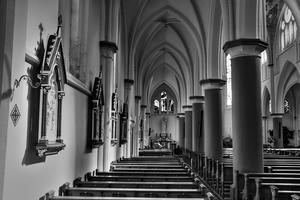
(52, 78)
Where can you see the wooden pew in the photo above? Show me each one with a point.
(140, 178)
(131, 192)
(153, 165)
(281, 194)
(136, 184)
(51, 196)
(120, 198)
(141, 173)
(247, 181)
(264, 192)
(153, 170)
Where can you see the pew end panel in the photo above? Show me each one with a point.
(295, 197)
(49, 195)
(62, 190)
(76, 182)
(87, 176)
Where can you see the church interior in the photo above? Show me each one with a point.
(149, 99)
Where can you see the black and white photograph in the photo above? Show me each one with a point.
(149, 99)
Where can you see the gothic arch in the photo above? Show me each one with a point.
(288, 77)
(170, 91)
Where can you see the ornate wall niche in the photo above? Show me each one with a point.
(52, 78)
(97, 110)
(123, 124)
(114, 118)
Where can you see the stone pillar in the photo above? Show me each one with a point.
(137, 126)
(107, 51)
(213, 118)
(188, 126)
(246, 103)
(142, 126)
(181, 130)
(198, 123)
(147, 129)
(277, 130)
(272, 90)
(130, 102)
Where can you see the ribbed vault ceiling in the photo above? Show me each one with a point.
(167, 44)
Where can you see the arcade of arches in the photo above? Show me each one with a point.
(126, 72)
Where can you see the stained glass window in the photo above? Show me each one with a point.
(228, 86)
(288, 29)
(286, 106)
(264, 58)
(156, 106)
(164, 105)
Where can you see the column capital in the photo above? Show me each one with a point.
(212, 83)
(245, 47)
(109, 45)
(143, 106)
(128, 81)
(270, 65)
(180, 115)
(197, 99)
(187, 108)
(277, 115)
(138, 98)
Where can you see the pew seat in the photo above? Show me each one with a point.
(140, 178)
(115, 198)
(134, 165)
(120, 184)
(132, 192)
(141, 173)
(148, 170)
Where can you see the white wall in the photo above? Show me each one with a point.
(28, 177)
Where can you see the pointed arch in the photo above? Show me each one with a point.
(169, 89)
(288, 77)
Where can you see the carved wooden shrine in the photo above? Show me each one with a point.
(97, 110)
(52, 78)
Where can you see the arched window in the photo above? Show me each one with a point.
(156, 106)
(286, 106)
(228, 86)
(163, 105)
(288, 28)
(270, 106)
(264, 58)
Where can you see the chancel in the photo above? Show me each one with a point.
(150, 99)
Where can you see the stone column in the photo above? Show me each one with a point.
(213, 118)
(181, 130)
(198, 123)
(188, 127)
(107, 51)
(137, 126)
(142, 126)
(277, 130)
(130, 102)
(147, 129)
(246, 103)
